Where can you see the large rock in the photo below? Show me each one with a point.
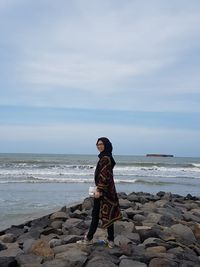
(74, 258)
(2, 246)
(73, 222)
(55, 263)
(59, 215)
(125, 203)
(87, 203)
(99, 261)
(122, 226)
(131, 263)
(183, 234)
(42, 248)
(8, 262)
(26, 259)
(121, 240)
(8, 238)
(158, 262)
(156, 250)
(11, 252)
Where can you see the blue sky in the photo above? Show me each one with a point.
(71, 71)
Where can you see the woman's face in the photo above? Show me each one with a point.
(100, 146)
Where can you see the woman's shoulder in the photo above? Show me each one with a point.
(105, 159)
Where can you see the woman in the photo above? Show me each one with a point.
(106, 204)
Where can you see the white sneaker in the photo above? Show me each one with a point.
(85, 242)
(111, 244)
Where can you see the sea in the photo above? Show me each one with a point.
(32, 185)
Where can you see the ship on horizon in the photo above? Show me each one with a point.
(159, 155)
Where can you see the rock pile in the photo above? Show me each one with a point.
(161, 230)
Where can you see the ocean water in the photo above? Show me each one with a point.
(31, 184)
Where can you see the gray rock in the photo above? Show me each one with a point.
(156, 250)
(166, 220)
(8, 238)
(71, 239)
(73, 222)
(25, 259)
(73, 257)
(125, 203)
(16, 231)
(158, 262)
(121, 240)
(138, 218)
(87, 203)
(8, 262)
(132, 197)
(27, 245)
(12, 252)
(130, 212)
(121, 227)
(34, 233)
(153, 217)
(122, 195)
(161, 203)
(57, 224)
(49, 230)
(152, 241)
(59, 215)
(55, 242)
(134, 237)
(99, 261)
(183, 234)
(131, 263)
(188, 216)
(55, 263)
(2, 246)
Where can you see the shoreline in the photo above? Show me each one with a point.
(156, 230)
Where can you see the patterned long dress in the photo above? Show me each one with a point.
(109, 203)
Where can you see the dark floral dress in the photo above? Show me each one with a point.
(109, 203)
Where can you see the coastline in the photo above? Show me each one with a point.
(156, 230)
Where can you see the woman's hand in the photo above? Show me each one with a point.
(97, 194)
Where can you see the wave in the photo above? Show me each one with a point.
(59, 180)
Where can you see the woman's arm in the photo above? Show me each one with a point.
(104, 174)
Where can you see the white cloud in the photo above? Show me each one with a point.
(129, 54)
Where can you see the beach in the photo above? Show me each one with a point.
(32, 184)
(156, 230)
(45, 208)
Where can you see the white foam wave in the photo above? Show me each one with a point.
(58, 180)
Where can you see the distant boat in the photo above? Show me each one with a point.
(159, 155)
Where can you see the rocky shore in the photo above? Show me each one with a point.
(161, 230)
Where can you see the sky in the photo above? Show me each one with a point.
(73, 71)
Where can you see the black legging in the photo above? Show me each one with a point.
(95, 222)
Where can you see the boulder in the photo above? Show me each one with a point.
(131, 263)
(183, 234)
(55, 263)
(156, 250)
(125, 203)
(26, 259)
(59, 215)
(74, 258)
(73, 222)
(56, 224)
(8, 262)
(8, 238)
(42, 248)
(158, 262)
(99, 261)
(122, 226)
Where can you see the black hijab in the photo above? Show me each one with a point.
(107, 149)
(106, 152)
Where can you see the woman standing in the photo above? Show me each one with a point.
(106, 204)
